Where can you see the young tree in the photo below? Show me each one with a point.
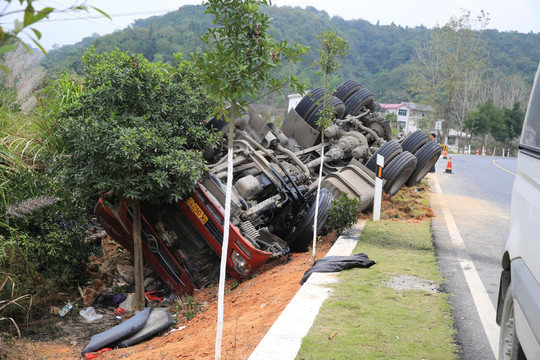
(449, 66)
(237, 69)
(509, 126)
(136, 131)
(503, 124)
(513, 121)
(485, 120)
(332, 48)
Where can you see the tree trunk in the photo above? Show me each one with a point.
(138, 300)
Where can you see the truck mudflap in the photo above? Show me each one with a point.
(297, 129)
(354, 180)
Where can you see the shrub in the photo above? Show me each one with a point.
(45, 230)
(343, 213)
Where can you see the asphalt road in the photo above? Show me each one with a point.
(472, 205)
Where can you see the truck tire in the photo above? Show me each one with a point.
(389, 150)
(339, 109)
(398, 172)
(216, 124)
(309, 102)
(426, 157)
(346, 89)
(358, 100)
(302, 236)
(414, 141)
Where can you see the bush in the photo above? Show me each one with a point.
(343, 213)
(137, 128)
(45, 231)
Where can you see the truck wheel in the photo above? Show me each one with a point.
(389, 150)
(398, 172)
(339, 109)
(302, 236)
(309, 102)
(426, 157)
(414, 141)
(358, 100)
(509, 346)
(346, 89)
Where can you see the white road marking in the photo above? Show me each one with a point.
(483, 304)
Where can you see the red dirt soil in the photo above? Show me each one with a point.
(251, 308)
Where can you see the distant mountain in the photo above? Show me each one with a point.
(380, 55)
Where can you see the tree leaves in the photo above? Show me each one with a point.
(136, 129)
(243, 53)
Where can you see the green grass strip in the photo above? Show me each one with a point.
(374, 321)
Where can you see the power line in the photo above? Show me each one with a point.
(74, 14)
(96, 19)
(111, 15)
(101, 16)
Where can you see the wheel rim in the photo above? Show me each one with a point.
(152, 244)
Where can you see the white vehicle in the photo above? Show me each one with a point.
(518, 310)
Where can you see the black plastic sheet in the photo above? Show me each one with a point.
(338, 263)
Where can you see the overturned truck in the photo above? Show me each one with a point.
(274, 188)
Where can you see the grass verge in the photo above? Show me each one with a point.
(366, 319)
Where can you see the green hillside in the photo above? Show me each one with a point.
(380, 56)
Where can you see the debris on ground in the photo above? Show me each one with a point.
(338, 263)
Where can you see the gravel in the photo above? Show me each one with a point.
(408, 282)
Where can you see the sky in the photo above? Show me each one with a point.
(68, 28)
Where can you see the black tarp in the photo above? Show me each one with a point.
(338, 263)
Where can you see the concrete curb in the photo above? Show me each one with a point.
(284, 338)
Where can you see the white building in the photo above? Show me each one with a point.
(294, 99)
(408, 114)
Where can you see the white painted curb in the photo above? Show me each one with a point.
(284, 338)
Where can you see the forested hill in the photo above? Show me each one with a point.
(380, 56)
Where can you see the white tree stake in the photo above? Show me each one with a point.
(224, 252)
(378, 189)
(317, 202)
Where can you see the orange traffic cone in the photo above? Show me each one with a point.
(445, 156)
(449, 166)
